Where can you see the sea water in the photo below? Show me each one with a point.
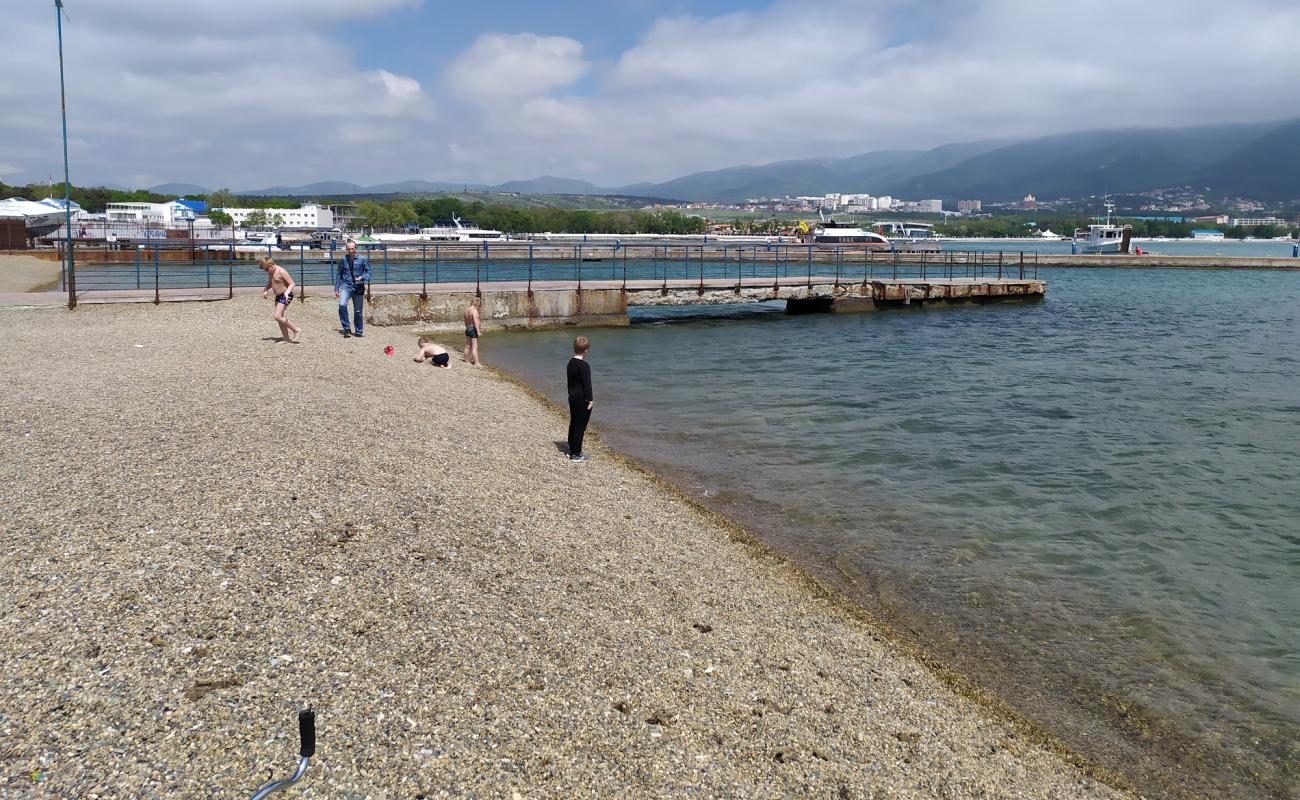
(1090, 505)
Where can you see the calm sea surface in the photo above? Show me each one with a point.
(1091, 505)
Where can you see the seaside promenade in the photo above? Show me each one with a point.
(205, 530)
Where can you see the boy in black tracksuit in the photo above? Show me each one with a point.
(580, 397)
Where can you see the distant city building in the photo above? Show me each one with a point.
(1220, 219)
(969, 206)
(1204, 234)
(1029, 202)
(929, 206)
(306, 216)
(1248, 222)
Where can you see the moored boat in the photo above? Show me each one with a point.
(42, 218)
(1103, 237)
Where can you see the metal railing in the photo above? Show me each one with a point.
(163, 265)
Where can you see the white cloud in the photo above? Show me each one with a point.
(788, 81)
(199, 92)
(499, 66)
(218, 93)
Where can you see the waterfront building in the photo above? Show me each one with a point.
(970, 206)
(1249, 222)
(167, 214)
(1208, 234)
(307, 216)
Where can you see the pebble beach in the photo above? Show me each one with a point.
(203, 530)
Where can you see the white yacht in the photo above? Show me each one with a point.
(1104, 237)
(452, 230)
(458, 230)
(832, 232)
(42, 217)
(910, 236)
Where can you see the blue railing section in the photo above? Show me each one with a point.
(157, 267)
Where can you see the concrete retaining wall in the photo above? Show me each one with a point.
(502, 309)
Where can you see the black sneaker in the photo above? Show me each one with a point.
(347, 334)
(579, 458)
(359, 335)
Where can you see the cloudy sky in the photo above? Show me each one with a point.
(250, 93)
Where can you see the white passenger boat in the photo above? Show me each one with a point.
(1103, 237)
(452, 230)
(838, 233)
(458, 230)
(910, 236)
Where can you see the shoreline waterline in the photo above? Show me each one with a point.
(696, 454)
(968, 676)
(812, 575)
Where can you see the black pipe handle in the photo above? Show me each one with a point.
(307, 732)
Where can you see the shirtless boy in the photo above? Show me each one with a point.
(433, 353)
(473, 327)
(279, 279)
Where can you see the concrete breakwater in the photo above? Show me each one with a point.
(544, 305)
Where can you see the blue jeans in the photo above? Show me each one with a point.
(358, 307)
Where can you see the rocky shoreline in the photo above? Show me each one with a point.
(470, 614)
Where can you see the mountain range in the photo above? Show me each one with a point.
(1257, 160)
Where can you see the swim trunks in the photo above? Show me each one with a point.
(284, 299)
(442, 359)
(471, 332)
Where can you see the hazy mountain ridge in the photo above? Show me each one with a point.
(1260, 160)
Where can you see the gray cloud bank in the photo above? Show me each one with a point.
(251, 94)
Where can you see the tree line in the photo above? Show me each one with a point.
(425, 212)
(95, 199)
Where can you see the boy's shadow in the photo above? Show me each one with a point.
(563, 447)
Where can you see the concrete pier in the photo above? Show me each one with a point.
(513, 305)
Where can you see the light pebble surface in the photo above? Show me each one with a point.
(20, 273)
(205, 530)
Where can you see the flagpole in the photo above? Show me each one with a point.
(67, 181)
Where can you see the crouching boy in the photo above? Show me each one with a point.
(434, 354)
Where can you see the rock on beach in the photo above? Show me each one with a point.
(203, 530)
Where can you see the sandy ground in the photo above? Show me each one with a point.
(26, 273)
(203, 530)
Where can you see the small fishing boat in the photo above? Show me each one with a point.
(1103, 236)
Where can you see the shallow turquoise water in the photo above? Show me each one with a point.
(1092, 503)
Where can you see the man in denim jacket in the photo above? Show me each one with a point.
(350, 279)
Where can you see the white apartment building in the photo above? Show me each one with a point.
(306, 216)
(1250, 222)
